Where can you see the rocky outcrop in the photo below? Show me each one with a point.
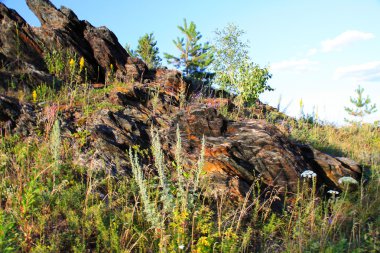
(237, 152)
(62, 36)
(62, 30)
(249, 149)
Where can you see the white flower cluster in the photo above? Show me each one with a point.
(308, 174)
(333, 192)
(347, 180)
(181, 247)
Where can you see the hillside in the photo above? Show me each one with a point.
(101, 153)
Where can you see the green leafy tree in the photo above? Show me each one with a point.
(362, 106)
(194, 56)
(234, 70)
(148, 51)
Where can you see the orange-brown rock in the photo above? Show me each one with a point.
(253, 149)
(217, 102)
(98, 85)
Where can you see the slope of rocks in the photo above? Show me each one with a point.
(237, 152)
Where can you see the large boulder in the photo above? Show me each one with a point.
(237, 153)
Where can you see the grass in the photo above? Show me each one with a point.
(50, 204)
(357, 214)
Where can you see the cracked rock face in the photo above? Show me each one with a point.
(249, 149)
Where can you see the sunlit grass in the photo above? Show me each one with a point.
(50, 204)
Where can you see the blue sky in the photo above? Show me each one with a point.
(318, 51)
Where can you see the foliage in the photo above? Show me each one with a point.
(43, 92)
(148, 51)
(55, 61)
(8, 236)
(362, 106)
(130, 51)
(194, 57)
(234, 70)
(65, 65)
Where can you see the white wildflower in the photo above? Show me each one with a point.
(347, 180)
(181, 247)
(333, 192)
(308, 174)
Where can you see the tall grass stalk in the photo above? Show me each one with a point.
(55, 147)
(152, 214)
(179, 168)
(159, 162)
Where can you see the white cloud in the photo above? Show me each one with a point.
(294, 65)
(344, 39)
(340, 41)
(367, 72)
(312, 52)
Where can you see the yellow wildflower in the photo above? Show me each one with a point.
(72, 63)
(34, 96)
(203, 242)
(81, 64)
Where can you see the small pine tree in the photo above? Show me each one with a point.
(130, 51)
(194, 57)
(148, 51)
(362, 107)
